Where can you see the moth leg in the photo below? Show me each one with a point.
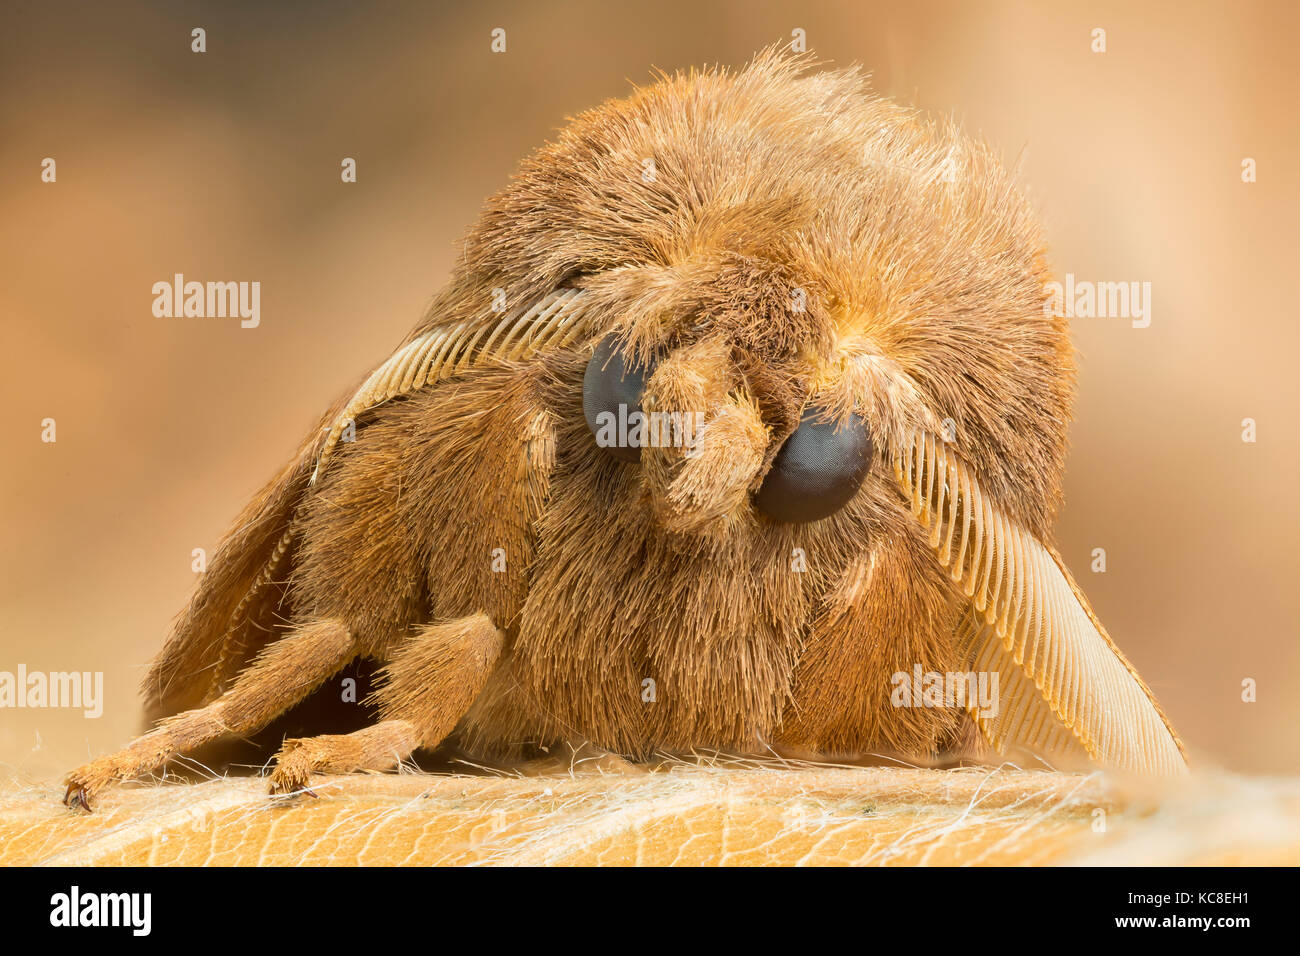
(427, 686)
(380, 747)
(281, 676)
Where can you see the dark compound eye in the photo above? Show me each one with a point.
(817, 470)
(611, 396)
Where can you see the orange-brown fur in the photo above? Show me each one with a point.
(923, 302)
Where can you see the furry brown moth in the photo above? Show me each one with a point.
(742, 402)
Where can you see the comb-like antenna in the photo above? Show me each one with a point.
(447, 351)
(1061, 678)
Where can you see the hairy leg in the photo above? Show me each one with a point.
(427, 686)
(380, 747)
(281, 676)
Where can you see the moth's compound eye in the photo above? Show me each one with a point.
(817, 470)
(611, 400)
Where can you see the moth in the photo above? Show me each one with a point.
(742, 401)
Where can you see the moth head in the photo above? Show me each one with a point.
(794, 250)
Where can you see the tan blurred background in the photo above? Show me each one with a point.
(225, 166)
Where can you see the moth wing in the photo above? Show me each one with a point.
(237, 608)
(232, 612)
(1064, 688)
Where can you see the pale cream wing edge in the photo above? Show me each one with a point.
(553, 322)
(1063, 684)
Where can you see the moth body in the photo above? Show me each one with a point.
(844, 303)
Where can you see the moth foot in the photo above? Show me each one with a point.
(82, 786)
(293, 769)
